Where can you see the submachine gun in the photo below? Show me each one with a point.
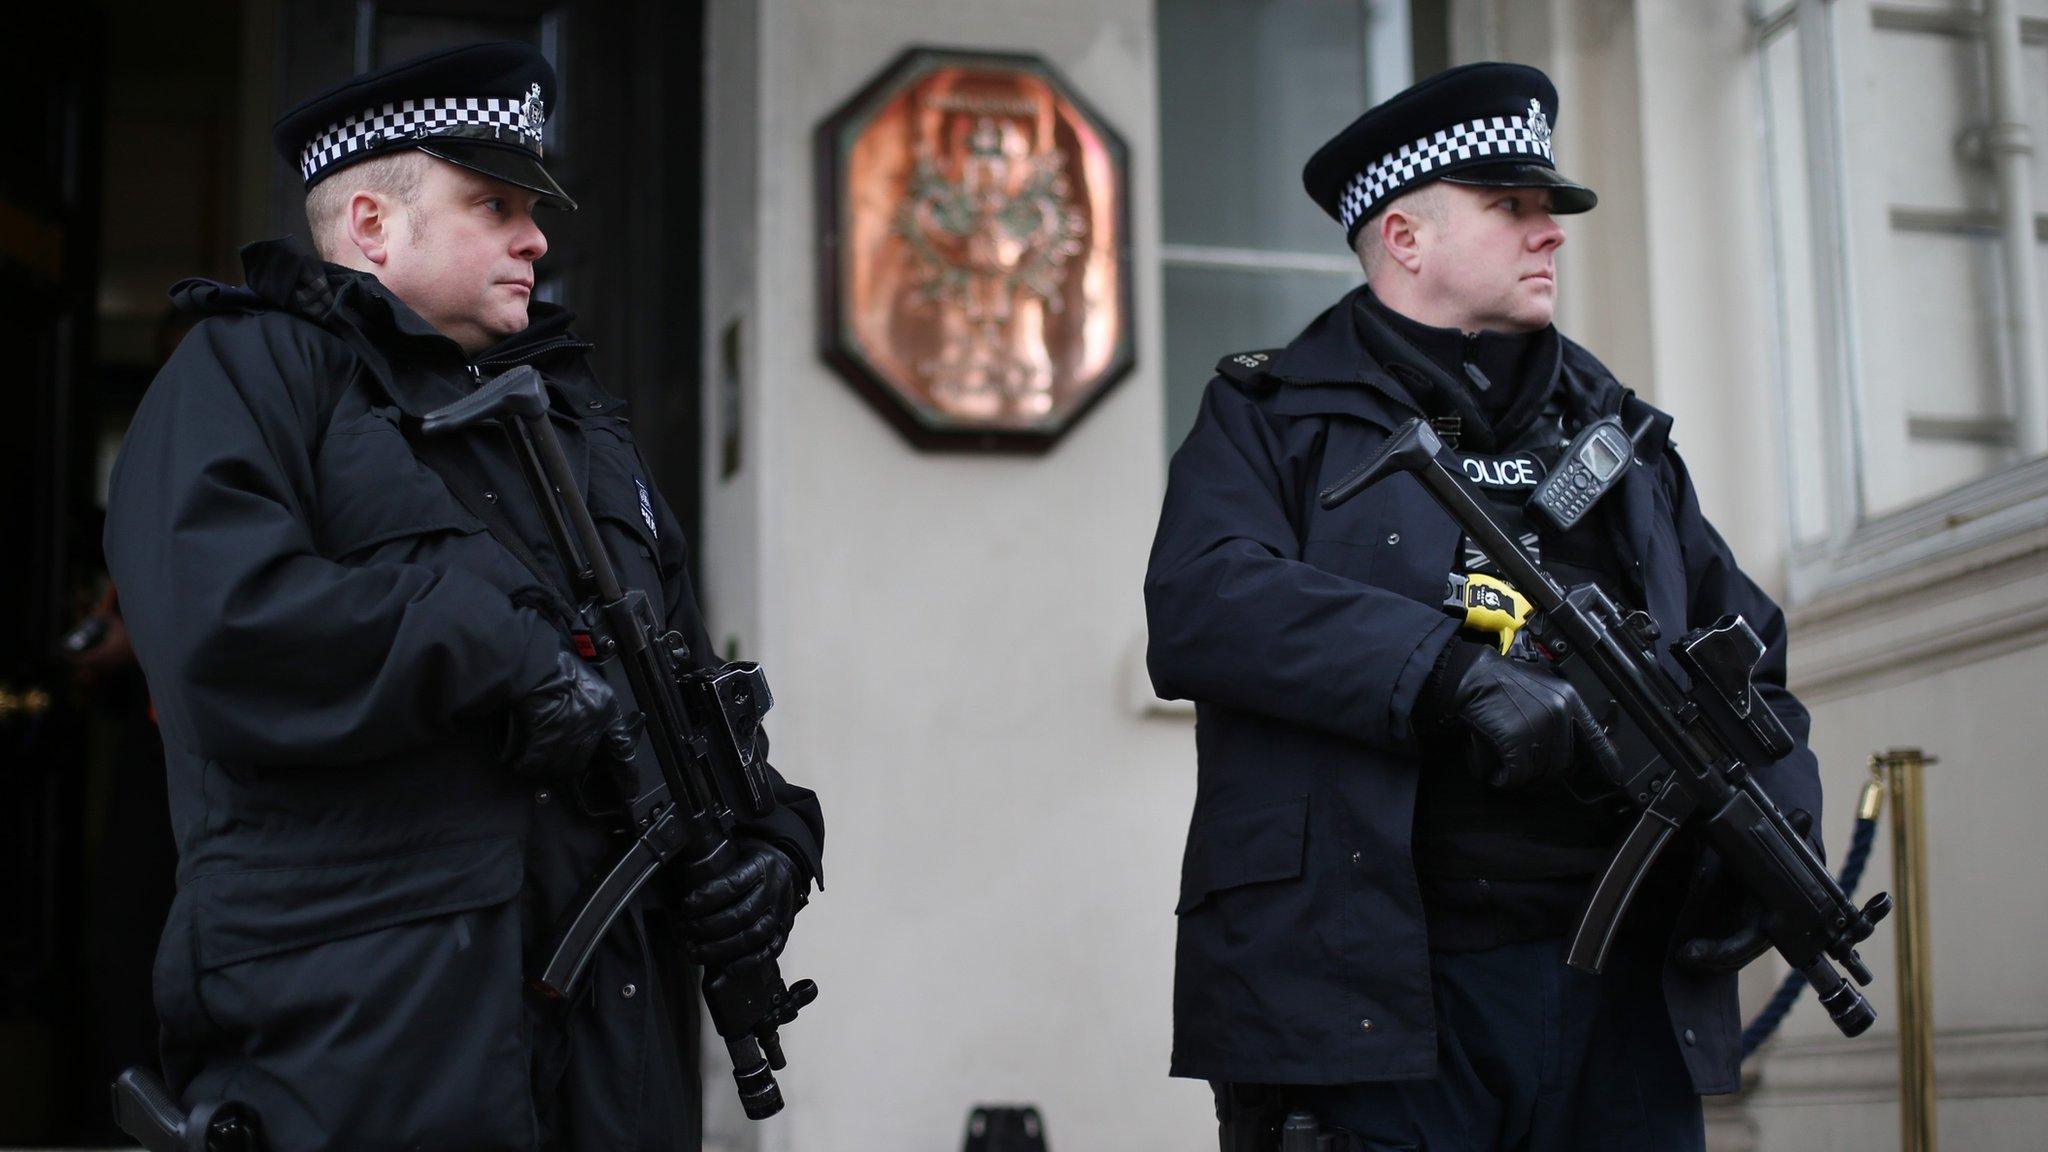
(694, 769)
(1686, 753)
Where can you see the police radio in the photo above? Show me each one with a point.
(1591, 466)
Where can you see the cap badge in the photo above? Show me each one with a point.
(533, 113)
(1539, 126)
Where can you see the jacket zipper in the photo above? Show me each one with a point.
(545, 346)
(1472, 372)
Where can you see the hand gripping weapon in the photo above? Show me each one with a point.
(1686, 754)
(694, 766)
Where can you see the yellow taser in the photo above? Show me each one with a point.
(1488, 604)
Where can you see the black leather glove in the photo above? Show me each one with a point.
(1713, 882)
(556, 728)
(1524, 723)
(745, 910)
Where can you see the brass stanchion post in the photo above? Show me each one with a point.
(1902, 768)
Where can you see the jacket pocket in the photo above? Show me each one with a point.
(1352, 560)
(375, 1002)
(243, 915)
(1256, 845)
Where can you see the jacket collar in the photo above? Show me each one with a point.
(284, 273)
(379, 326)
(1327, 370)
(1537, 358)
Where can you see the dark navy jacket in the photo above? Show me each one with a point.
(1304, 638)
(332, 628)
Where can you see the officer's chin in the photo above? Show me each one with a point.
(1536, 304)
(510, 320)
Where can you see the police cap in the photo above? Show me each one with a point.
(480, 106)
(1486, 124)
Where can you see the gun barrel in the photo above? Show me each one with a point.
(759, 1094)
(1846, 1006)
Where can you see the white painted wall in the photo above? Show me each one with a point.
(952, 641)
(1985, 861)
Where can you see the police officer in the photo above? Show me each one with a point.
(1391, 835)
(385, 761)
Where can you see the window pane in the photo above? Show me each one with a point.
(1801, 338)
(1921, 119)
(2036, 86)
(2034, 82)
(1248, 90)
(1938, 402)
(1213, 312)
(1935, 369)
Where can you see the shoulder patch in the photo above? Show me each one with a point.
(1246, 367)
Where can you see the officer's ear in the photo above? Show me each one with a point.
(372, 224)
(1400, 236)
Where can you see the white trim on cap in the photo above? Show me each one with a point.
(454, 116)
(1487, 136)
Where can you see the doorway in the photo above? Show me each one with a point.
(141, 155)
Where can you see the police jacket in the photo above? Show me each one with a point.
(333, 622)
(1304, 638)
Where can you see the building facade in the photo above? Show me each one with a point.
(1819, 245)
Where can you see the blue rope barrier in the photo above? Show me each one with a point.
(1767, 1021)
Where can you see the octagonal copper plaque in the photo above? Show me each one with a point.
(974, 250)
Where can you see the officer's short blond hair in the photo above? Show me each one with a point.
(397, 175)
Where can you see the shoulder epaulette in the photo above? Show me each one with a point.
(1247, 367)
(1648, 426)
(202, 297)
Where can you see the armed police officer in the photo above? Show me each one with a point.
(1392, 832)
(387, 762)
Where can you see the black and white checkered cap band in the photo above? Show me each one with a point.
(477, 118)
(1487, 136)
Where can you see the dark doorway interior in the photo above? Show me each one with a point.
(140, 155)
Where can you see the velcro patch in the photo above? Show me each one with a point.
(1245, 367)
(646, 508)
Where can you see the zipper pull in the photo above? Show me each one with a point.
(476, 375)
(1472, 371)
